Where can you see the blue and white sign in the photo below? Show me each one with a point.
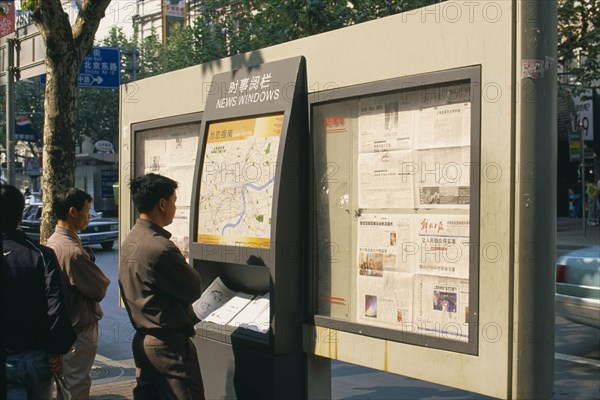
(99, 69)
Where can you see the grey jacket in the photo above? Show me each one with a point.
(86, 281)
(156, 282)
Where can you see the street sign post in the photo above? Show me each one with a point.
(99, 69)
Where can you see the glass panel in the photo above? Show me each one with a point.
(171, 151)
(392, 192)
(333, 127)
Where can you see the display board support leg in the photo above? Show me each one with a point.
(535, 201)
(318, 377)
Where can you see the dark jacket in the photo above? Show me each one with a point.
(36, 315)
(156, 282)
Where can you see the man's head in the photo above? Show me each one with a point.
(154, 195)
(73, 208)
(12, 203)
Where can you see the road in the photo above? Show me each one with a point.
(577, 359)
(115, 332)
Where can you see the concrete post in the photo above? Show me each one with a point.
(535, 202)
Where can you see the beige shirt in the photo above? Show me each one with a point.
(86, 281)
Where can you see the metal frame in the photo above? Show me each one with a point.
(472, 75)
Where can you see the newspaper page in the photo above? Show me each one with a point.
(444, 126)
(215, 296)
(181, 148)
(442, 307)
(385, 269)
(230, 309)
(382, 244)
(386, 301)
(180, 229)
(443, 245)
(261, 324)
(252, 311)
(171, 151)
(385, 180)
(255, 316)
(154, 154)
(383, 127)
(443, 178)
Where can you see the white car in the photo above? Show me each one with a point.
(578, 286)
(34, 197)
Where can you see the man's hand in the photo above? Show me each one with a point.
(55, 363)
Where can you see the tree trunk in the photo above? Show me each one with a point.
(62, 75)
(65, 48)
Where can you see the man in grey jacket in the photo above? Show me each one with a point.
(87, 284)
(159, 288)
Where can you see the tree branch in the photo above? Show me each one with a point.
(86, 25)
(53, 23)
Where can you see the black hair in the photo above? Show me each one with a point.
(12, 203)
(72, 197)
(147, 190)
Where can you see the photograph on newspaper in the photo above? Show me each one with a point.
(441, 307)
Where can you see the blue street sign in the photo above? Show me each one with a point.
(99, 69)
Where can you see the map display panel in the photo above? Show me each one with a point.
(238, 174)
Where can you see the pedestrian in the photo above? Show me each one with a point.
(598, 202)
(87, 287)
(577, 200)
(159, 287)
(35, 318)
(591, 190)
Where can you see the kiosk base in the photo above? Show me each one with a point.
(231, 371)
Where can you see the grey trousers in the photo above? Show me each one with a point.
(78, 362)
(166, 367)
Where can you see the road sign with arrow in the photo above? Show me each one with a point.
(99, 69)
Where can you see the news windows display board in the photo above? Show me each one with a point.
(247, 203)
(516, 215)
(168, 147)
(396, 168)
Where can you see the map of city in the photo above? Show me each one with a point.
(238, 173)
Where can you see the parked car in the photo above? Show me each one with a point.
(578, 286)
(35, 197)
(102, 231)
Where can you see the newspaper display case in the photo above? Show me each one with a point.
(477, 323)
(167, 147)
(396, 200)
(247, 232)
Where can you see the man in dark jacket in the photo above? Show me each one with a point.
(159, 287)
(36, 324)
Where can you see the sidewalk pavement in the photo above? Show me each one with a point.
(115, 380)
(112, 380)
